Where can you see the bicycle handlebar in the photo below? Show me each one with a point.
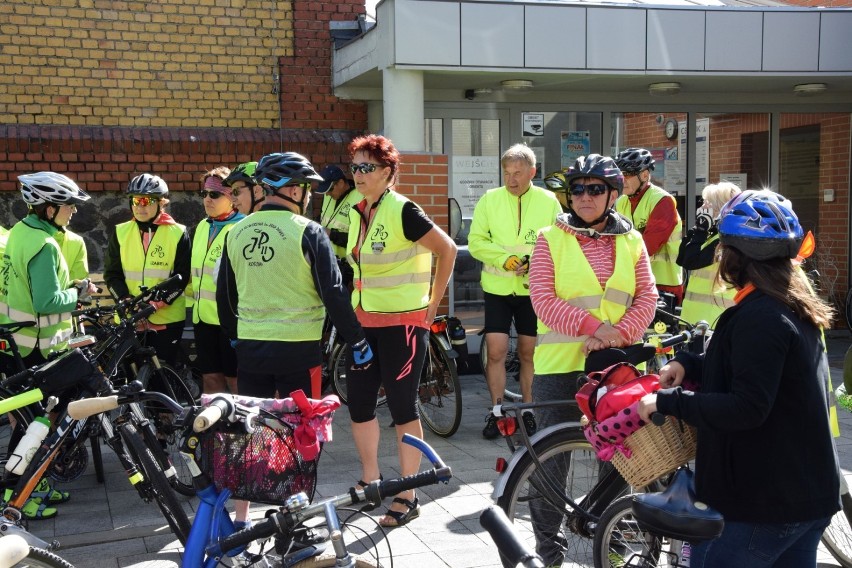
(511, 547)
(284, 521)
(219, 407)
(85, 407)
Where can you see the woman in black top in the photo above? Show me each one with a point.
(766, 458)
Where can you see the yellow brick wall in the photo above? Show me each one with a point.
(156, 63)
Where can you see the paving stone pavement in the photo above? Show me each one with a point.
(108, 526)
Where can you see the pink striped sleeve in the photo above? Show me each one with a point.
(640, 314)
(555, 312)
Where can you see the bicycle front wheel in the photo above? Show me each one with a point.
(837, 537)
(41, 558)
(439, 398)
(569, 464)
(159, 488)
(619, 541)
(339, 363)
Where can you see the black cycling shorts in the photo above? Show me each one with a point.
(500, 311)
(399, 352)
(215, 354)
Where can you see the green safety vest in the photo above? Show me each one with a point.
(391, 274)
(277, 298)
(666, 270)
(151, 268)
(576, 283)
(512, 224)
(335, 215)
(704, 298)
(74, 252)
(203, 264)
(52, 330)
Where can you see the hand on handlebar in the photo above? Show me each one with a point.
(671, 374)
(85, 289)
(647, 406)
(362, 356)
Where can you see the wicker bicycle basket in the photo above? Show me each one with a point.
(656, 451)
(263, 466)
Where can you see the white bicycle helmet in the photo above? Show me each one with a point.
(148, 184)
(50, 187)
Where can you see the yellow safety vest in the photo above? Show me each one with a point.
(391, 274)
(504, 225)
(203, 264)
(74, 252)
(666, 270)
(277, 298)
(52, 330)
(704, 298)
(335, 216)
(575, 282)
(149, 268)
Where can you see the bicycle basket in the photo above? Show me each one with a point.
(655, 451)
(263, 466)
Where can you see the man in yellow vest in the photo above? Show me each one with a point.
(277, 278)
(505, 223)
(217, 360)
(653, 212)
(592, 288)
(145, 251)
(706, 298)
(339, 196)
(248, 196)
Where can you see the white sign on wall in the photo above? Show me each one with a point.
(471, 177)
(738, 179)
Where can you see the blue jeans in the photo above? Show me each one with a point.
(749, 545)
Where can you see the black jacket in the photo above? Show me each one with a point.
(765, 450)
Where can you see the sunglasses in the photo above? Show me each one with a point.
(365, 168)
(211, 194)
(143, 201)
(593, 189)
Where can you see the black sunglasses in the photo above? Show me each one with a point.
(365, 168)
(593, 189)
(211, 194)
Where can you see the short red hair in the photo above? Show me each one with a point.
(379, 148)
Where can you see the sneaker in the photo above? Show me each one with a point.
(529, 423)
(490, 431)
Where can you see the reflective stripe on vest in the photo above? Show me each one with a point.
(513, 225)
(335, 215)
(151, 267)
(204, 261)
(277, 297)
(559, 353)
(52, 330)
(392, 274)
(666, 270)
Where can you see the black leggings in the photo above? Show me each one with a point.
(399, 352)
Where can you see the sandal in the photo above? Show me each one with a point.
(397, 518)
(34, 509)
(48, 494)
(361, 484)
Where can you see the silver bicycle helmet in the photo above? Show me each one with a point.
(148, 184)
(50, 187)
(634, 160)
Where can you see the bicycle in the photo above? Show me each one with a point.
(439, 397)
(556, 473)
(212, 536)
(512, 548)
(513, 363)
(16, 552)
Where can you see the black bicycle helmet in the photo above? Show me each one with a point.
(50, 187)
(634, 160)
(279, 169)
(761, 225)
(148, 184)
(596, 166)
(243, 172)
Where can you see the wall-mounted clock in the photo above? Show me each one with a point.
(671, 129)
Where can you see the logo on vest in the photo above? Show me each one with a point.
(379, 233)
(158, 251)
(378, 247)
(215, 252)
(529, 238)
(258, 251)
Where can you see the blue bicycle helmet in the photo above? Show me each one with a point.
(761, 225)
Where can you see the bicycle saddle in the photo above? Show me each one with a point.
(676, 513)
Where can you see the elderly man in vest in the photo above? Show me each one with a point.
(502, 234)
(592, 288)
(653, 212)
